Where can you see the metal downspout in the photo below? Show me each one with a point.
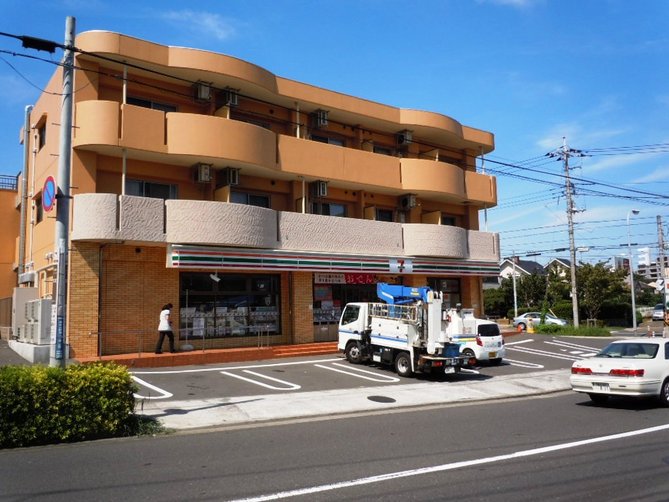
(24, 191)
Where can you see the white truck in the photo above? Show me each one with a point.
(405, 331)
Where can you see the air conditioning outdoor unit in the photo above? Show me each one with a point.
(230, 176)
(404, 137)
(203, 91)
(407, 202)
(319, 189)
(203, 173)
(320, 119)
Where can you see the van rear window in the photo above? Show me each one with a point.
(488, 330)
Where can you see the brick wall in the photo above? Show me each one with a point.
(302, 307)
(82, 302)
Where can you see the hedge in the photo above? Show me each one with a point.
(42, 405)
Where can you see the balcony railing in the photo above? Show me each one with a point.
(109, 217)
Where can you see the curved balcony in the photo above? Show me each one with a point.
(481, 189)
(97, 123)
(216, 137)
(108, 217)
(221, 223)
(319, 160)
(432, 178)
(313, 232)
(435, 240)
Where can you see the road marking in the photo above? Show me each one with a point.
(352, 372)
(537, 352)
(523, 364)
(576, 346)
(163, 393)
(449, 467)
(228, 368)
(518, 342)
(288, 385)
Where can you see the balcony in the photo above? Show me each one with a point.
(107, 126)
(109, 217)
(357, 168)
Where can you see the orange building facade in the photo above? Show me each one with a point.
(258, 206)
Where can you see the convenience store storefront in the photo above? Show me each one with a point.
(230, 293)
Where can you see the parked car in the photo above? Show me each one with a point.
(630, 367)
(658, 312)
(535, 317)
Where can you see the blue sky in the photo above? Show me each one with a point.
(530, 71)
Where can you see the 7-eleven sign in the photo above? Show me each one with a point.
(401, 266)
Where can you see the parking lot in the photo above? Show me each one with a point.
(525, 353)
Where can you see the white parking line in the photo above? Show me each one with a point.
(288, 385)
(356, 372)
(228, 368)
(163, 393)
(523, 364)
(519, 342)
(544, 353)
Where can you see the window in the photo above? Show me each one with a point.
(39, 211)
(448, 220)
(328, 209)
(151, 189)
(351, 314)
(151, 104)
(450, 288)
(384, 215)
(41, 136)
(382, 150)
(329, 141)
(250, 199)
(236, 305)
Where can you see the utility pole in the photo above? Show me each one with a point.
(663, 274)
(58, 350)
(564, 153)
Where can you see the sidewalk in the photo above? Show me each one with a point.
(245, 410)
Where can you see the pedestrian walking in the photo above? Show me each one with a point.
(165, 329)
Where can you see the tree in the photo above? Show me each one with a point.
(597, 284)
(531, 290)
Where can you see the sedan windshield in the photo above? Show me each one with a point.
(633, 350)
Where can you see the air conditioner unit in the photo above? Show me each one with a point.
(231, 96)
(407, 202)
(320, 119)
(203, 91)
(229, 176)
(319, 188)
(404, 137)
(203, 173)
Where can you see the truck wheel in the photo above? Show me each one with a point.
(469, 354)
(354, 352)
(403, 364)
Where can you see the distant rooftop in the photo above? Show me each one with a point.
(8, 182)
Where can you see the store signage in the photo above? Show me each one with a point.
(401, 266)
(322, 278)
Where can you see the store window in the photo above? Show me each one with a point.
(451, 289)
(332, 291)
(228, 305)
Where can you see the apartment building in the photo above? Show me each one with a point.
(257, 205)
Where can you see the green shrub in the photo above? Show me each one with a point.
(41, 405)
(554, 329)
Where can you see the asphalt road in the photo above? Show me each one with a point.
(560, 447)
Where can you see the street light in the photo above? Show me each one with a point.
(629, 252)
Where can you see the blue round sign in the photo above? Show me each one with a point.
(49, 193)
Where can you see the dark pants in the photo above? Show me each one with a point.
(159, 345)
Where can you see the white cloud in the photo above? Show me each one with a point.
(577, 135)
(617, 161)
(205, 24)
(659, 174)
